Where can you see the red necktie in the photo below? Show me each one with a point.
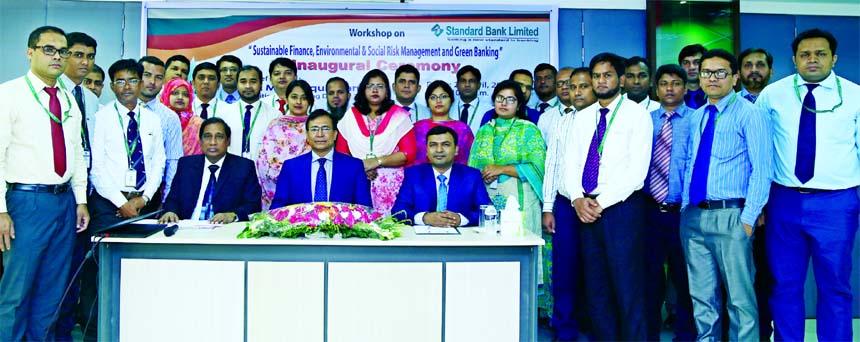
(281, 108)
(57, 139)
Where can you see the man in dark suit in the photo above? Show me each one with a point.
(215, 186)
(309, 177)
(424, 196)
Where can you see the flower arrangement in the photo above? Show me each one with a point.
(348, 220)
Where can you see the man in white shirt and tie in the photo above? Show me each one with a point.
(407, 84)
(249, 117)
(546, 123)
(204, 78)
(637, 83)
(545, 87)
(282, 71)
(469, 108)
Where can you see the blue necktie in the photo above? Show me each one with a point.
(204, 113)
(591, 170)
(320, 192)
(804, 167)
(246, 127)
(442, 194)
(230, 99)
(464, 114)
(542, 107)
(206, 206)
(699, 182)
(85, 132)
(136, 154)
(751, 97)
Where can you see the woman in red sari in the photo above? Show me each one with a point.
(177, 95)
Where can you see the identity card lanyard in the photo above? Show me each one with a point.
(838, 88)
(717, 119)
(131, 173)
(253, 122)
(608, 126)
(474, 110)
(66, 114)
(372, 135)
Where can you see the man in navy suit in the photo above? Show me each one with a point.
(215, 186)
(310, 177)
(424, 195)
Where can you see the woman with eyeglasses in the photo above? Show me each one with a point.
(439, 96)
(177, 95)
(285, 138)
(380, 133)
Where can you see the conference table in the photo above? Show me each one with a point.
(209, 285)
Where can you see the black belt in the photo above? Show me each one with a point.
(806, 191)
(132, 194)
(669, 207)
(721, 204)
(591, 196)
(48, 188)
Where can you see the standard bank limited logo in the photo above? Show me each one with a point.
(437, 30)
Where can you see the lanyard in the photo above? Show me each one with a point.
(474, 110)
(129, 150)
(839, 91)
(608, 126)
(719, 115)
(373, 132)
(214, 108)
(66, 114)
(253, 122)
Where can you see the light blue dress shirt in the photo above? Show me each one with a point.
(677, 159)
(171, 133)
(837, 133)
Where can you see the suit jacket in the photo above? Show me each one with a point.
(466, 192)
(236, 189)
(348, 184)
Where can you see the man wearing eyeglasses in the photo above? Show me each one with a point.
(726, 182)
(228, 68)
(469, 106)
(813, 204)
(43, 184)
(551, 116)
(310, 177)
(214, 186)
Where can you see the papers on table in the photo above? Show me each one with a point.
(430, 230)
(187, 224)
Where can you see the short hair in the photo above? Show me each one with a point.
(635, 60)
(690, 50)
(814, 33)
(211, 121)
(409, 69)
(97, 69)
(520, 72)
(37, 33)
(471, 69)
(617, 62)
(518, 93)
(151, 60)
(125, 65)
(175, 58)
(283, 61)
(250, 68)
(671, 69)
(438, 84)
(767, 56)
(206, 66)
(305, 87)
(361, 104)
(229, 58)
(720, 53)
(586, 70)
(546, 66)
(439, 130)
(318, 113)
(81, 38)
(337, 79)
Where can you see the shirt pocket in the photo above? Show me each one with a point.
(728, 144)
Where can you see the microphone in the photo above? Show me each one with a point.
(171, 229)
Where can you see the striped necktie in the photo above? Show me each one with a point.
(659, 174)
(133, 136)
(321, 186)
(592, 161)
(441, 194)
(702, 165)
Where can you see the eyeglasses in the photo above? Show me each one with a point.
(509, 99)
(324, 129)
(442, 97)
(371, 86)
(79, 55)
(49, 50)
(121, 83)
(560, 84)
(720, 74)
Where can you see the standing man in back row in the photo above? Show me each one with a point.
(689, 58)
(228, 68)
(469, 107)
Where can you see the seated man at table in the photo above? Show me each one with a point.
(214, 186)
(310, 177)
(424, 193)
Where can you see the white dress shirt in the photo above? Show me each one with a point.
(315, 166)
(547, 121)
(234, 115)
(26, 152)
(626, 151)
(557, 139)
(215, 105)
(204, 181)
(647, 104)
(110, 160)
(417, 111)
(419, 217)
(477, 108)
(553, 103)
(91, 102)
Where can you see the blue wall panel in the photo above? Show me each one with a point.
(773, 33)
(570, 38)
(618, 31)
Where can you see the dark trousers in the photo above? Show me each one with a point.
(614, 266)
(821, 226)
(566, 271)
(37, 265)
(763, 284)
(67, 319)
(663, 239)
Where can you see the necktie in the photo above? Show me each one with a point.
(659, 173)
(281, 104)
(58, 141)
(85, 132)
(204, 112)
(321, 186)
(136, 159)
(230, 99)
(542, 107)
(408, 109)
(246, 127)
(592, 161)
(464, 114)
(568, 110)
(441, 194)
(751, 97)
(699, 181)
(804, 167)
(206, 206)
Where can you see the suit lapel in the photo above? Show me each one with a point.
(225, 170)
(428, 183)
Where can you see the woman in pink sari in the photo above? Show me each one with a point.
(177, 95)
(285, 138)
(439, 96)
(380, 133)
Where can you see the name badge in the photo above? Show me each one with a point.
(131, 178)
(88, 159)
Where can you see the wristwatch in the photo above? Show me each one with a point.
(145, 199)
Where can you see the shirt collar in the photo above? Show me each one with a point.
(724, 102)
(120, 107)
(681, 111)
(328, 156)
(220, 162)
(254, 104)
(827, 83)
(447, 174)
(37, 82)
(611, 105)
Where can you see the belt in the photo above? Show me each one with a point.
(591, 196)
(132, 194)
(806, 191)
(49, 188)
(721, 204)
(669, 207)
